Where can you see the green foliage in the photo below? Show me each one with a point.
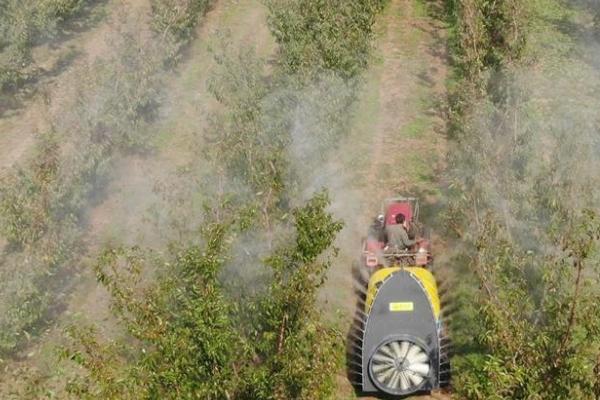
(23, 24)
(248, 143)
(285, 326)
(270, 129)
(193, 341)
(524, 214)
(174, 22)
(489, 33)
(23, 212)
(55, 184)
(324, 35)
(537, 318)
(41, 238)
(258, 137)
(177, 17)
(186, 337)
(486, 35)
(186, 342)
(125, 92)
(535, 256)
(43, 202)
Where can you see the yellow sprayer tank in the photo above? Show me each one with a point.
(401, 340)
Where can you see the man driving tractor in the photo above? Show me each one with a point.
(397, 234)
(395, 237)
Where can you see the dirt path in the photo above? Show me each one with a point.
(409, 143)
(398, 143)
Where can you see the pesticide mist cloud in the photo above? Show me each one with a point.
(537, 155)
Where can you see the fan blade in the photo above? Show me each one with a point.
(421, 369)
(419, 358)
(387, 351)
(394, 381)
(397, 349)
(385, 375)
(383, 358)
(404, 346)
(413, 351)
(415, 379)
(382, 367)
(404, 384)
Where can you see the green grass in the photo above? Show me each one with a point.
(415, 129)
(365, 117)
(421, 9)
(547, 41)
(406, 33)
(421, 167)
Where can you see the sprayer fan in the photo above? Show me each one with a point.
(399, 367)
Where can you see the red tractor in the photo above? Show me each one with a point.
(375, 250)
